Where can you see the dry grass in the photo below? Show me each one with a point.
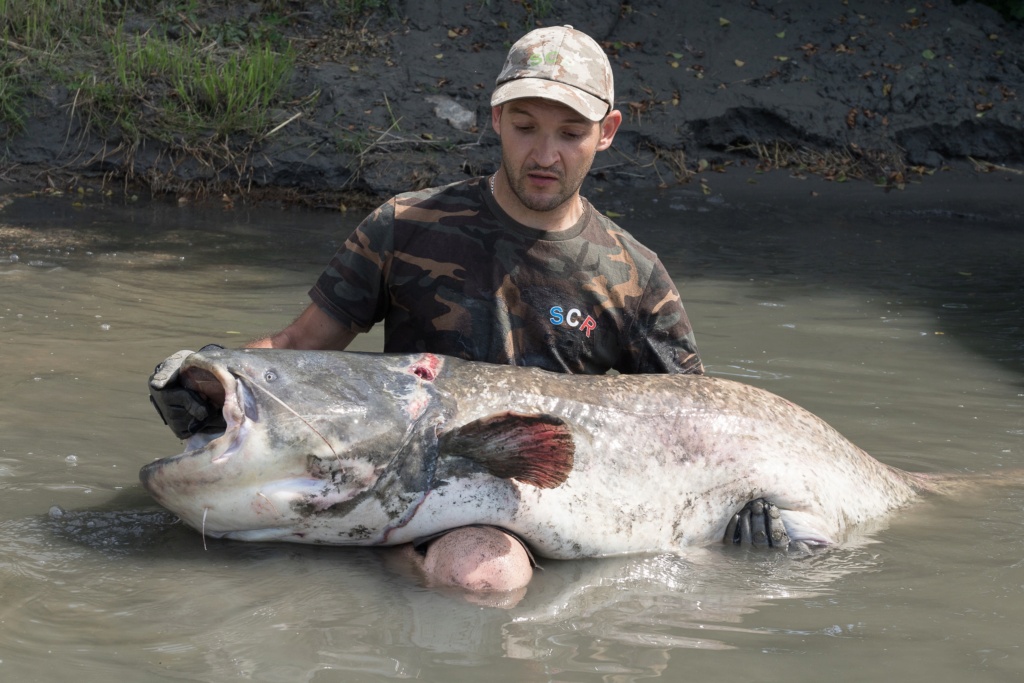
(884, 168)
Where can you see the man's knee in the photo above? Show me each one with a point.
(478, 559)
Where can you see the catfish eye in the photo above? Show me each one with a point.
(270, 375)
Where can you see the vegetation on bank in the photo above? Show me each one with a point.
(208, 81)
(1011, 9)
(202, 80)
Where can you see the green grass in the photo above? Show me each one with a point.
(181, 89)
(49, 24)
(204, 87)
(12, 91)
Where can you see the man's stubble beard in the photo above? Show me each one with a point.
(518, 185)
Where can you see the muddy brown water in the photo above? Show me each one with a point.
(903, 328)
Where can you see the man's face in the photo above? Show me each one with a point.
(547, 149)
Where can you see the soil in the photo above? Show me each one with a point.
(883, 91)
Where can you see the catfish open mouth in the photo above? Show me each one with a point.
(231, 404)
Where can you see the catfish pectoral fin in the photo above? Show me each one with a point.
(534, 449)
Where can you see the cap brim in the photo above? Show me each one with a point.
(590, 107)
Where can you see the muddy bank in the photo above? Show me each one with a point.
(881, 91)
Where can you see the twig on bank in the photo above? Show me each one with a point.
(988, 167)
(389, 139)
(378, 141)
(606, 167)
(479, 141)
(71, 119)
(23, 48)
(4, 177)
(283, 124)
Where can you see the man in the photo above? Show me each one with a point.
(513, 268)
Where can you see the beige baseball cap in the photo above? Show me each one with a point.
(562, 64)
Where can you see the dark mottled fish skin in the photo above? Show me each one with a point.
(369, 449)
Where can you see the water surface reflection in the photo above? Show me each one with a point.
(901, 328)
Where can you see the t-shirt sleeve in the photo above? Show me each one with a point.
(661, 339)
(352, 287)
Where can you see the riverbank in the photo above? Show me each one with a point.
(881, 94)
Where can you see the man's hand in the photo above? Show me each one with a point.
(183, 410)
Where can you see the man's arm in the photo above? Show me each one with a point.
(313, 329)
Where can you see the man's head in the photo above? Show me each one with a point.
(560, 64)
(552, 109)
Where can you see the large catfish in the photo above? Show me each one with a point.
(368, 449)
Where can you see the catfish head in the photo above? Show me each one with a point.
(304, 434)
(341, 448)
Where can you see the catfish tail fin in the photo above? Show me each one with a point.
(960, 483)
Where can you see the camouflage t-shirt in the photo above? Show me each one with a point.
(449, 272)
